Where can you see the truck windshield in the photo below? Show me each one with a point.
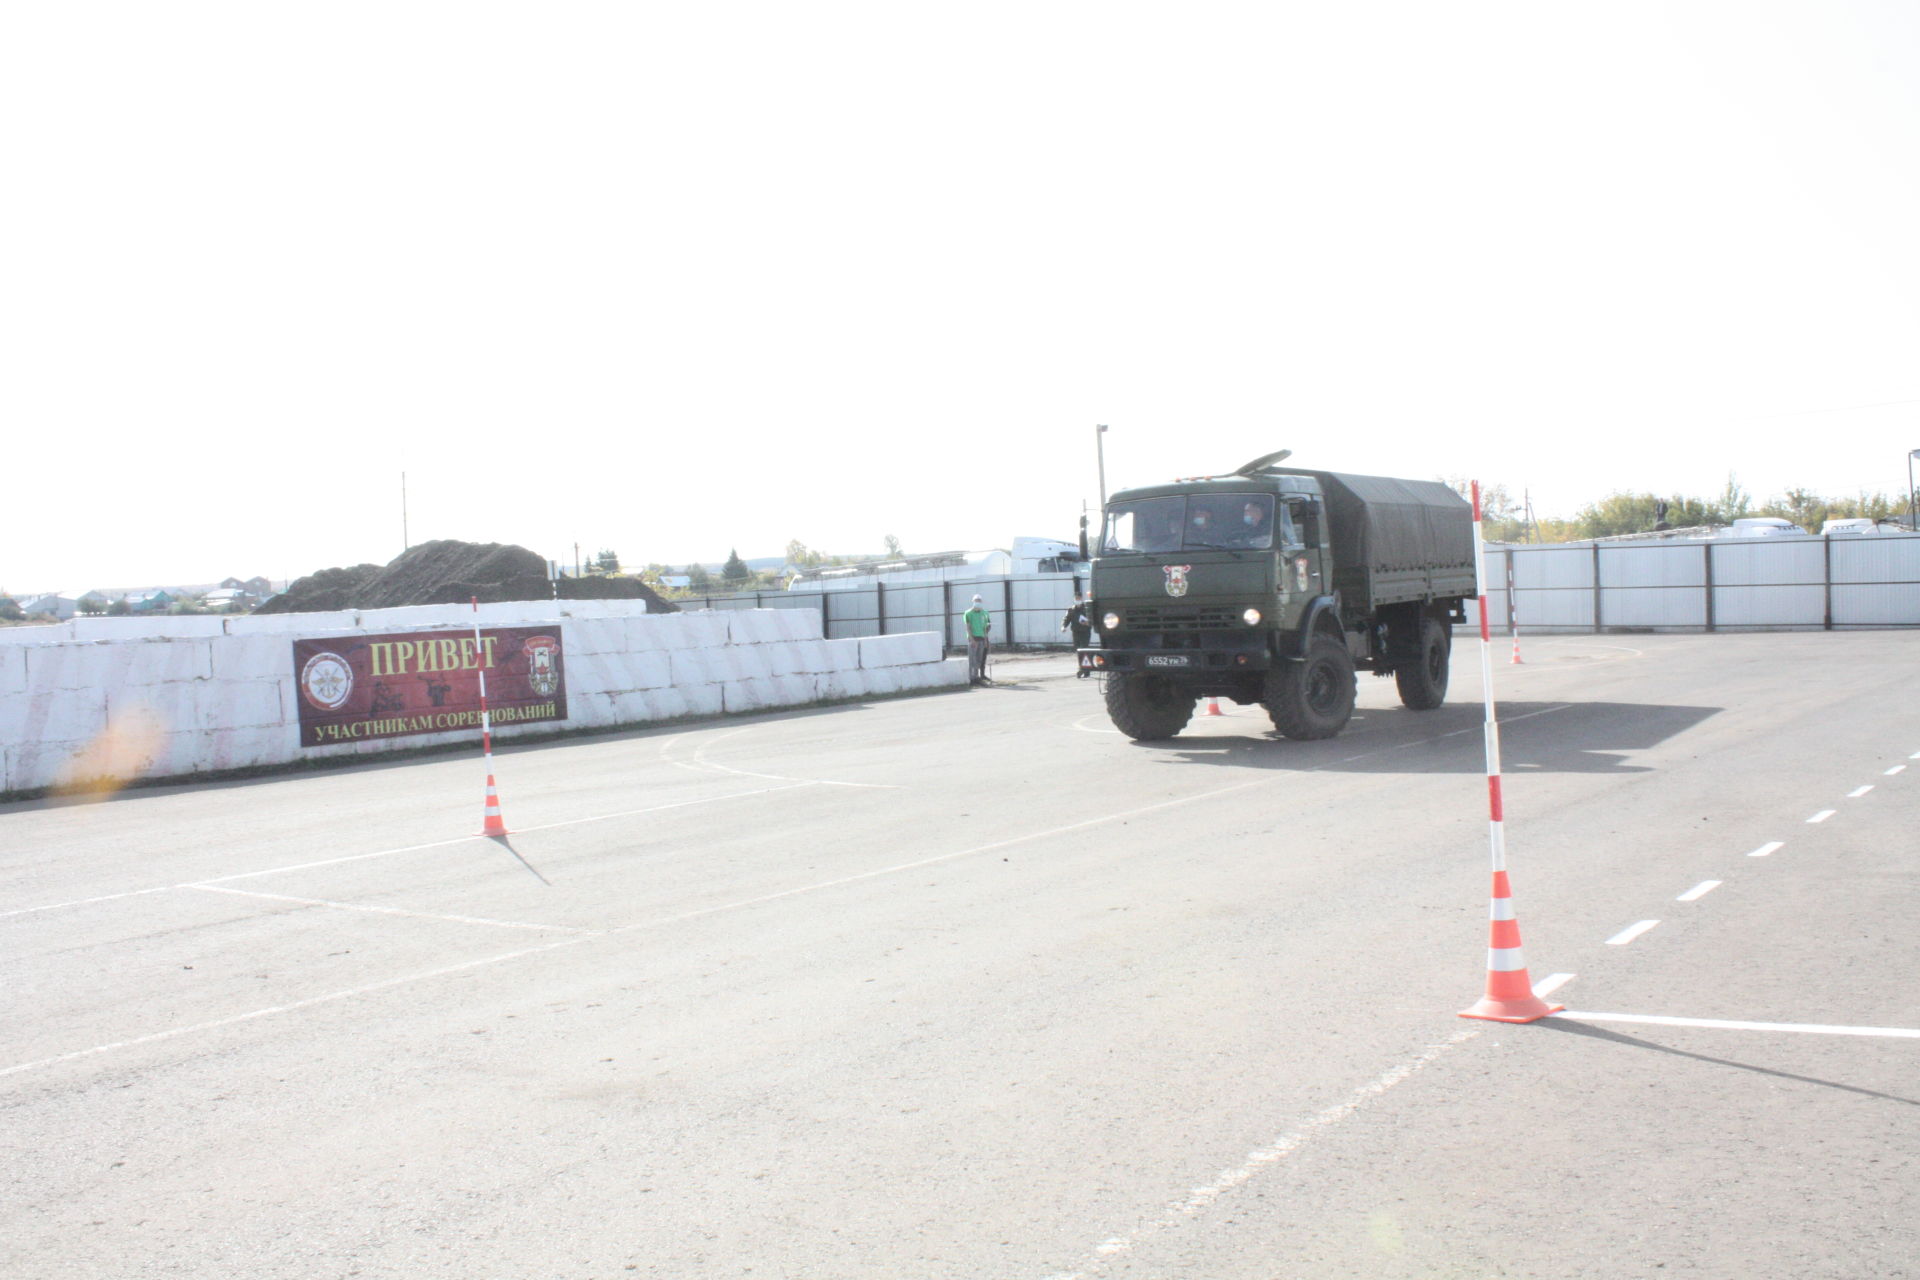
(1192, 522)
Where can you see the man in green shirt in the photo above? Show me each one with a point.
(979, 627)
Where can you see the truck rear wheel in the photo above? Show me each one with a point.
(1313, 698)
(1423, 682)
(1146, 707)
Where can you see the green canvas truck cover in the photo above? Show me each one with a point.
(1396, 540)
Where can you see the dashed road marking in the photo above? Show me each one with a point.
(1771, 846)
(1857, 792)
(1631, 932)
(1822, 816)
(1699, 891)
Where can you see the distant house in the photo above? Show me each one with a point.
(52, 603)
(155, 601)
(229, 600)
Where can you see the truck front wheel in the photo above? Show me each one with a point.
(1312, 698)
(1146, 707)
(1423, 682)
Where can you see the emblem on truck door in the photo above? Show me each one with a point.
(1177, 578)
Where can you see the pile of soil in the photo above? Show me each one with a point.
(451, 572)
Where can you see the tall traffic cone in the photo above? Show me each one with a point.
(494, 826)
(1213, 707)
(1509, 995)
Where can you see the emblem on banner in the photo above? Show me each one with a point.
(326, 680)
(1177, 579)
(543, 664)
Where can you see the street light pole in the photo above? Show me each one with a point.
(1099, 449)
(1911, 524)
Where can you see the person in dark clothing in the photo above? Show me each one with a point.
(1080, 625)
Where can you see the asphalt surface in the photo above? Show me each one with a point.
(969, 985)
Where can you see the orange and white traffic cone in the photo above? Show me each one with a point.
(1509, 995)
(1213, 707)
(495, 825)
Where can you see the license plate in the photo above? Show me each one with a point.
(1169, 660)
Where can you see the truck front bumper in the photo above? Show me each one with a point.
(1208, 658)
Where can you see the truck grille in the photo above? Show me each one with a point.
(1181, 618)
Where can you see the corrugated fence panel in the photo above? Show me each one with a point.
(1876, 582)
(1553, 586)
(1770, 584)
(1653, 586)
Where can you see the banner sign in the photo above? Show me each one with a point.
(356, 688)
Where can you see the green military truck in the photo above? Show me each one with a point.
(1273, 586)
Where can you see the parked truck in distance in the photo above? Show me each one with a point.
(1272, 586)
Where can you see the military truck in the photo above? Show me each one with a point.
(1272, 586)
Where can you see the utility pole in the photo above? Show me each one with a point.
(1100, 452)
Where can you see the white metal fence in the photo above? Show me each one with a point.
(1027, 610)
(1769, 584)
(1762, 584)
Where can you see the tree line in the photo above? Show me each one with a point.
(1505, 519)
(735, 574)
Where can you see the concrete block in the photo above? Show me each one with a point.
(900, 650)
(594, 636)
(648, 669)
(406, 617)
(704, 630)
(842, 655)
(253, 658)
(157, 661)
(880, 681)
(292, 624)
(951, 673)
(753, 626)
(691, 667)
(686, 700)
(57, 633)
(156, 628)
(13, 668)
(765, 693)
(52, 715)
(239, 747)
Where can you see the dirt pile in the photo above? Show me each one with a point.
(450, 572)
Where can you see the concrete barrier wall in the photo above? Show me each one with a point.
(101, 699)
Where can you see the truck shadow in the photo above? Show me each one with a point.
(1535, 737)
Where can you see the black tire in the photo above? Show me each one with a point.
(1313, 698)
(1145, 707)
(1423, 682)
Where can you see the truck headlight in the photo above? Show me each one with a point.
(1111, 621)
(1251, 617)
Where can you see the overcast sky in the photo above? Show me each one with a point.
(676, 278)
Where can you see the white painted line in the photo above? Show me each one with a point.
(1551, 983)
(386, 911)
(1804, 1027)
(1771, 846)
(1181, 1211)
(1914, 756)
(1823, 815)
(83, 902)
(1699, 891)
(1631, 932)
(441, 844)
(1857, 792)
(700, 763)
(175, 1032)
(1899, 768)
